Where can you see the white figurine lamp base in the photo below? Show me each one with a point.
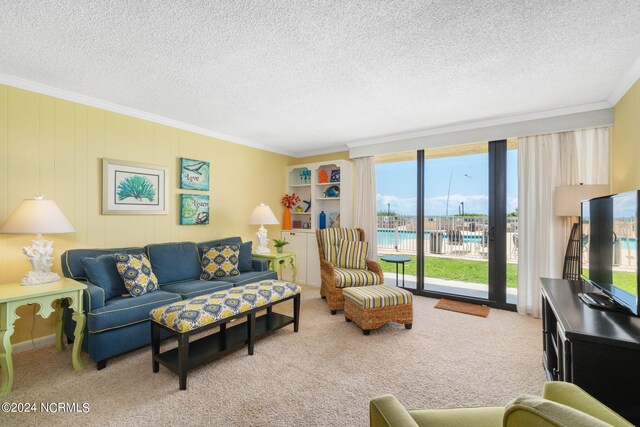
(41, 258)
(262, 241)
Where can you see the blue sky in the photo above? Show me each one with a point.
(469, 175)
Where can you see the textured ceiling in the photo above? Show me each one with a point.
(309, 76)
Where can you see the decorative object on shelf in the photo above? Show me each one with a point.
(334, 219)
(288, 201)
(308, 203)
(306, 225)
(566, 201)
(333, 191)
(323, 220)
(262, 215)
(133, 188)
(38, 216)
(305, 176)
(194, 174)
(280, 244)
(335, 175)
(297, 223)
(299, 209)
(323, 177)
(194, 209)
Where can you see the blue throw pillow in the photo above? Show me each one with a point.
(246, 262)
(102, 271)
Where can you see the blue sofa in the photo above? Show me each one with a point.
(117, 324)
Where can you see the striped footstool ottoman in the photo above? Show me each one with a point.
(373, 306)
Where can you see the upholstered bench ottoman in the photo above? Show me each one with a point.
(373, 306)
(188, 317)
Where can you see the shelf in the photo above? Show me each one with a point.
(301, 230)
(211, 347)
(324, 184)
(327, 198)
(300, 213)
(299, 185)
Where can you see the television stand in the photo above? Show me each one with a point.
(598, 350)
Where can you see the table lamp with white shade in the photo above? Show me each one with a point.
(38, 216)
(262, 215)
(566, 202)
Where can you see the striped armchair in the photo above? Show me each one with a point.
(334, 254)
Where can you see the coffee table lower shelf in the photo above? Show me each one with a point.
(190, 355)
(214, 346)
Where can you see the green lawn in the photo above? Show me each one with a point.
(454, 269)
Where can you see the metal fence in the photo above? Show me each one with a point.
(450, 236)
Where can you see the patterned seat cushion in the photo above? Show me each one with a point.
(378, 296)
(189, 315)
(347, 277)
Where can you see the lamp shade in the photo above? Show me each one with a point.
(36, 216)
(262, 214)
(567, 198)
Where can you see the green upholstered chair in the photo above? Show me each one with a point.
(562, 404)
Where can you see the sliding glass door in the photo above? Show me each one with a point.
(452, 212)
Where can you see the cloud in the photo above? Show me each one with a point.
(476, 203)
(404, 206)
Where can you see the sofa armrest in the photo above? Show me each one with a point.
(93, 297)
(573, 396)
(386, 411)
(259, 264)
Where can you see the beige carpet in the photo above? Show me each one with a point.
(323, 376)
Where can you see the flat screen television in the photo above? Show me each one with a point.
(609, 241)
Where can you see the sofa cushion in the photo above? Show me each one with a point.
(124, 311)
(174, 262)
(251, 277)
(220, 261)
(246, 262)
(72, 266)
(194, 288)
(533, 410)
(136, 273)
(352, 254)
(102, 271)
(211, 243)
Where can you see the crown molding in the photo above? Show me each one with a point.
(628, 79)
(67, 95)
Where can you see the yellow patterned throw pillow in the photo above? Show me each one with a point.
(220, 261)
(352, 254)
(136, 273)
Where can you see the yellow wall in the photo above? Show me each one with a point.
(625, 147)
(54, 147)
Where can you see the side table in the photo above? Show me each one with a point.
(396, 259)
(276, 261)
(14, 295)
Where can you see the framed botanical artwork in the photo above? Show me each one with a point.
(334, 219)
(130, 188)
(194, 209)
(194, 174)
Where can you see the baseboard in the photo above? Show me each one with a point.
(45, 341)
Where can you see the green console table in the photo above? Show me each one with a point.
(278, 260)
(14, 295)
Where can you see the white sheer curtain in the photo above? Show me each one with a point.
(546, 162)
(365, 209)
